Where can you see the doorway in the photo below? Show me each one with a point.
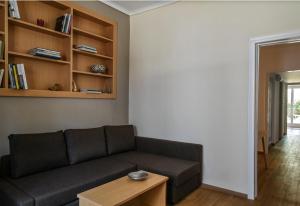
(254, 68)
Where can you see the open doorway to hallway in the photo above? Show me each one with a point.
(279, 124)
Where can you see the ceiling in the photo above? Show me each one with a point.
(291, 76)
(137, 6)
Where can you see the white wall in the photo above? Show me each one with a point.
(189, 77)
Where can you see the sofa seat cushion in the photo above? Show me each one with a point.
(179, 171)
(60, 186)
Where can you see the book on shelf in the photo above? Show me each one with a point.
(41, 52)
(83, 47)
(1, 49)
(13, 9)
(17, 76)
(1, 76)
(91, 91)
(63, 23)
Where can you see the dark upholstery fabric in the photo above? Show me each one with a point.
(85, 144)
(177, 193)
(179, 171)
(60, 186)
(5, 166)
(74, 203)
(31, 153)
(119, 138)
(12, 196)
(182, 150)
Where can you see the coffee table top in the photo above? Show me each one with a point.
(121, 190)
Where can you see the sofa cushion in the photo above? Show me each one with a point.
(61, 186)
(119, 138)
(85, 144)
(179, 171)
(31, 153)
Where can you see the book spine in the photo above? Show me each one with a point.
(11, 77)
(24, 76)
(16, 76)
(64, 23)
(17, 9)
(1, 76)
(20, 76)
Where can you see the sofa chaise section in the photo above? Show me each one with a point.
(181, 162)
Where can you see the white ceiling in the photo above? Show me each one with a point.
(137, 6)
(291, 77)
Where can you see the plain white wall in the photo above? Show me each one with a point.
(189, 77)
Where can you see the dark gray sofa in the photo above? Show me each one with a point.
(50, 169)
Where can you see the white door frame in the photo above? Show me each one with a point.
(253, 101)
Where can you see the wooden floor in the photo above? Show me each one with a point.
(278, 186)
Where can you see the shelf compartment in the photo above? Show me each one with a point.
(92, 35)
(92, 54)
(41, 75)
(36, 57)
(92, 74)
(92, 82)
(37, 28)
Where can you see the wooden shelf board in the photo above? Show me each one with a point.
(2, 4)
(46, 93)
(2, 60)
(92, 54)
(37, 28)
(89, 34)
(2, 33)
(37, 58)
(92, 74)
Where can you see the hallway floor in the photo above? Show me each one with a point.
(277, 186)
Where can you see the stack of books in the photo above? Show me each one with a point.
(17, 76)
(83, 47)
(1, 49)
(63, 23)
(13, 9)
(1, 76)
(92, 91)
(41, 52)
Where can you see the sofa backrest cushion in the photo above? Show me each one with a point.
(119, 138)
(32, 153)
(85, 144)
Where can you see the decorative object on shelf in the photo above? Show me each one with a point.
(74, 86)
(138, 175)
(41, 52)
(17, 76)
(13, 9)
(55, 87)
(86, 48)
(63, 23)
(40, 22)
(98, 68)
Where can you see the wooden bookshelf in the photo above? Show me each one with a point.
(87, 27)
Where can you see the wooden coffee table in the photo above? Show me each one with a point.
(125, 192)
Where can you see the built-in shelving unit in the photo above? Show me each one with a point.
(87, 27)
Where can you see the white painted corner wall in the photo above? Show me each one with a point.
(189, 72)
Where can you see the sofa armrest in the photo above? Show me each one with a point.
(181, 150)
(12, 196)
